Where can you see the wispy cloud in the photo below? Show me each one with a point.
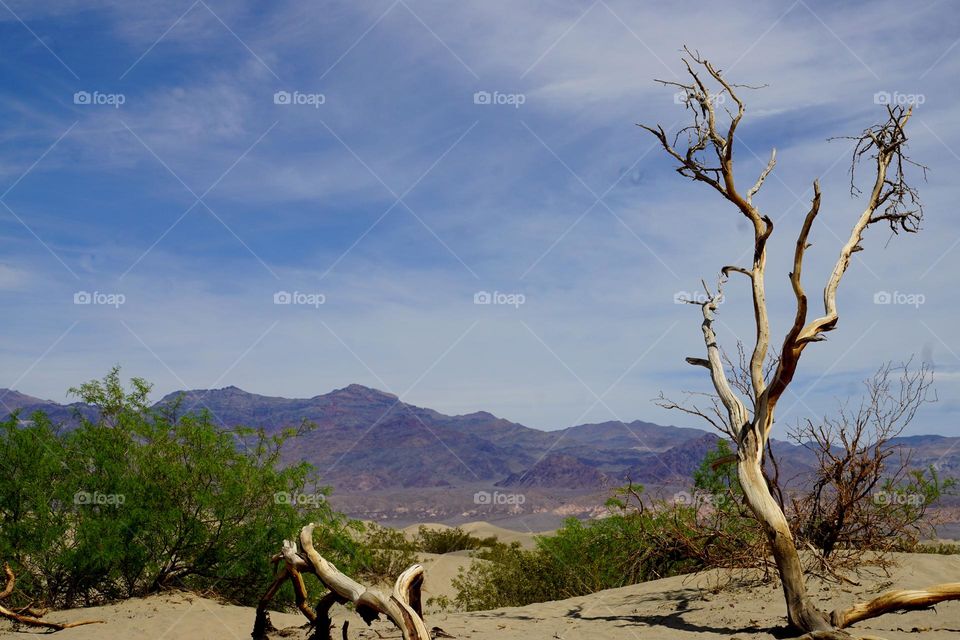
(362, 103)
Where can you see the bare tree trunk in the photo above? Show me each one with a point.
(800, 610)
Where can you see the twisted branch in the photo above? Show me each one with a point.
(402, 607)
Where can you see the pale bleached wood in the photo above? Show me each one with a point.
(402, 607)
(897, 600)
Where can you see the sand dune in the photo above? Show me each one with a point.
(484, 530)
(442, 569)
(680, 607)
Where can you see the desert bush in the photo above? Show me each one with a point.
(863, 498)
(441, 604)
(640, 540)
(507, 575)
(447, 540)
(385, 553)
(864, 494)
(139, 499)
(581, 558)
(938, 548)
(708, 527)
(34, 499)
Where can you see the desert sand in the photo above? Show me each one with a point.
(442, 569)
(689, 606)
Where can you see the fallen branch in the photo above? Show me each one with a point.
(29, 620)
(898, 600)
(402, 607)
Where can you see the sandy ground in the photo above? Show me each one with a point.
(680, 607)
(442, 569)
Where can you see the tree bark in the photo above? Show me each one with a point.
(800, 610)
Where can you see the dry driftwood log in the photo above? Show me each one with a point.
(704, 151)
(402, 606)
(28, 616)
(901, 600)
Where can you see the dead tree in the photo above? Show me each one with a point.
(402, 607)
(29, 617)
(704, 150)
(852, 504)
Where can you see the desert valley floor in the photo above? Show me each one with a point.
(679, 607)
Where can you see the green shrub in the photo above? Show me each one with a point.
(35, 500)
(581, 558)
(709, 527)
(441, 604)
(938, 548)
(139, 499)
(507, 576)
(717, 475)
(386, 553)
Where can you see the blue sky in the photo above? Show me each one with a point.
(190, 187)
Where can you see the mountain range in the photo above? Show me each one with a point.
(365, 441)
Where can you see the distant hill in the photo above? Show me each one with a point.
(11, 400)
(368, 440)
(16, 400)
